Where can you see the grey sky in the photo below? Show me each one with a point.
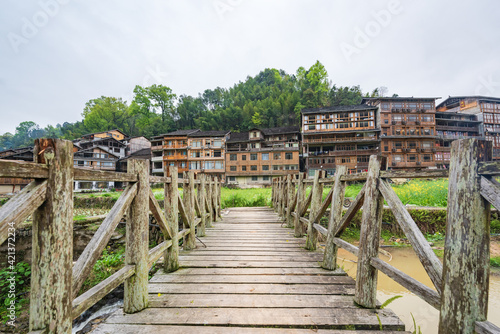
(79, 50)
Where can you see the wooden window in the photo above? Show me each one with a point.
(397, 158)
(232, 168)
(255, 178)
(232, 178)
(243, 168)
(265, 178)
(288, 156)
(253, 156)
(265, 156)
(217, 153)
(243, 157)
(253, 167)
(363, 158)
(427, 157)
(265, 167)
(233, 157)
(412, 157)
(277, 156)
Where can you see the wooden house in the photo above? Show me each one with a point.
(255, 156)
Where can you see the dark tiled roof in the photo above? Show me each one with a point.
(280, 130)
(235, 137)
(209, 134)
(144, 153)
(474, 97)
(397, 98)
(338, 109)
(96, 133)
(180, 133)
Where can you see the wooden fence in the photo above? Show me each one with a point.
(461, 282)
(55, 281)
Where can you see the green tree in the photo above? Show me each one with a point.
(105, 113)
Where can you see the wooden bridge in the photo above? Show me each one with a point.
(249, 273)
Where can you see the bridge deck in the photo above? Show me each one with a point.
(252, 277)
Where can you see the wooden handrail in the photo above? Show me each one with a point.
(49, 200)
(471, 182)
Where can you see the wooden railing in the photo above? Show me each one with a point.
(461, 282)
(55, 281)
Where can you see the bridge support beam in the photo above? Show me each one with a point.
(464, 299)
(171, 191)
(51, 275)
(371, 224)
(137, 240)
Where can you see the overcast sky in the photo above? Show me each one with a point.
(57, 54)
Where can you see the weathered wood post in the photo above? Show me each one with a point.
(201, 202)
(282, 197)
(273, 193)
(317, 195)
(371, 223)
(171, 191)
(135, 296)
(464, 299)
(52, 242)
(290, 198)
(209, 202)
(330, 257)
(219, 194)
(213, 199)
(190, 239)
(301, 195)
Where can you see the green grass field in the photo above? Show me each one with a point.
(415, 192)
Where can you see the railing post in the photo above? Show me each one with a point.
(188, 197)
(290, 194)
(219, 193)
(52, 242)
(464, 298)
(135, 297)
(371, 223)
(282, 197)
(301, 194)
(273, 193)
(330, 257)
(171, 191)
(209, 201)
(201, 202)
(317, 195)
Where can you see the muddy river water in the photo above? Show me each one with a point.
(425, 315)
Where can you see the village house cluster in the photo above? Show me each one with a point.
(412, 132)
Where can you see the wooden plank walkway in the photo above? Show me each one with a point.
(252, 277)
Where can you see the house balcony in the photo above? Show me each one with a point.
(157, 170)
(343, 153)
(157, 148)
(416, 164)
(340, 139)
(175, 157)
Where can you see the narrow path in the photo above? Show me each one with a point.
(252, 277)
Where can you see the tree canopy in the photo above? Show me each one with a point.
(271, 98)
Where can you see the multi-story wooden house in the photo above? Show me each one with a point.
(116, 134)
(255, 156)
(206, 152)
(451, 126)
(12, 185)
(343, 135)
(170, 149)
(99, 151)
(408, 131)
(487, 111)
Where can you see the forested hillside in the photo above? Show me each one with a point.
(271, 98)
